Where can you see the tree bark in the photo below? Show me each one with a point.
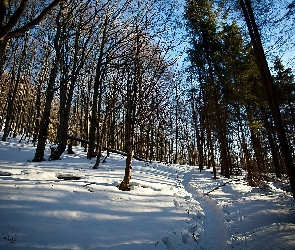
(198, 134)
(97, 92)
(67, 91)
(133, 87)
(276, 156)
(42, 136)
(3, 46)
(12, 98)
(269, 89)
(129, 134)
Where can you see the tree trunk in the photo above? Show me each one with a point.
(221, 133)
(3, 46)
(12, 98)
(129, 134)
(255, 142)
(269, 89)
(133, 87)
(42, 137)
(198, 134)
(37, 114)
(273, 146)
(100, 136)
(97, 92)
(67, 90)
(42, 77)
(249, 166)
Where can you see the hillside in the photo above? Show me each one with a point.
(169, 207)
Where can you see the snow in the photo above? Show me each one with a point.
(168, 207)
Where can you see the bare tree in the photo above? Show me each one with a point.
(50, 91)
(9, 25)
(111, 38)
(77, 29)
(146, 68)
(14, 90)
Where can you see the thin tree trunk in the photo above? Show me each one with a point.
(100, 133)
(222, 135)
(96, 92)
(273, 146)
(3, 47)
(211, 160)
(198, 135)
(249, 166)
(255, 142)
(11, 100)
(42, 137)
(129, 134)
(68, 91)
(37, 114)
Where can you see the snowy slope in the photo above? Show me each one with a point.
(167, 208)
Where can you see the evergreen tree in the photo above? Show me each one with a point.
(205, 57)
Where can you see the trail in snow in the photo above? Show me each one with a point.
(168, 207)
(215, 232)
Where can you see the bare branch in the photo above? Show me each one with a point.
(5, 31)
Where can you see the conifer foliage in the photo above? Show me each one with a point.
(237, 103)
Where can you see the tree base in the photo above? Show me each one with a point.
(38, 159)
(124, 186)
(70, 148)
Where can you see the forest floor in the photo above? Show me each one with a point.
(168, 207)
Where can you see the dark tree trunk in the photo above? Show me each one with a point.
(67, 91)
(129, 141)
(249, 166)
(133, 86)
(269, 89)
(97, 93)
(11, 100)
(42, 136)
(3, 46)
(276, 156)
(37, 115)
(99, 137)
(221, 132)
(129, 135)
(198, 134)
(255, 142)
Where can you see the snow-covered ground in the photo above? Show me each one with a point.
(169, 207)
